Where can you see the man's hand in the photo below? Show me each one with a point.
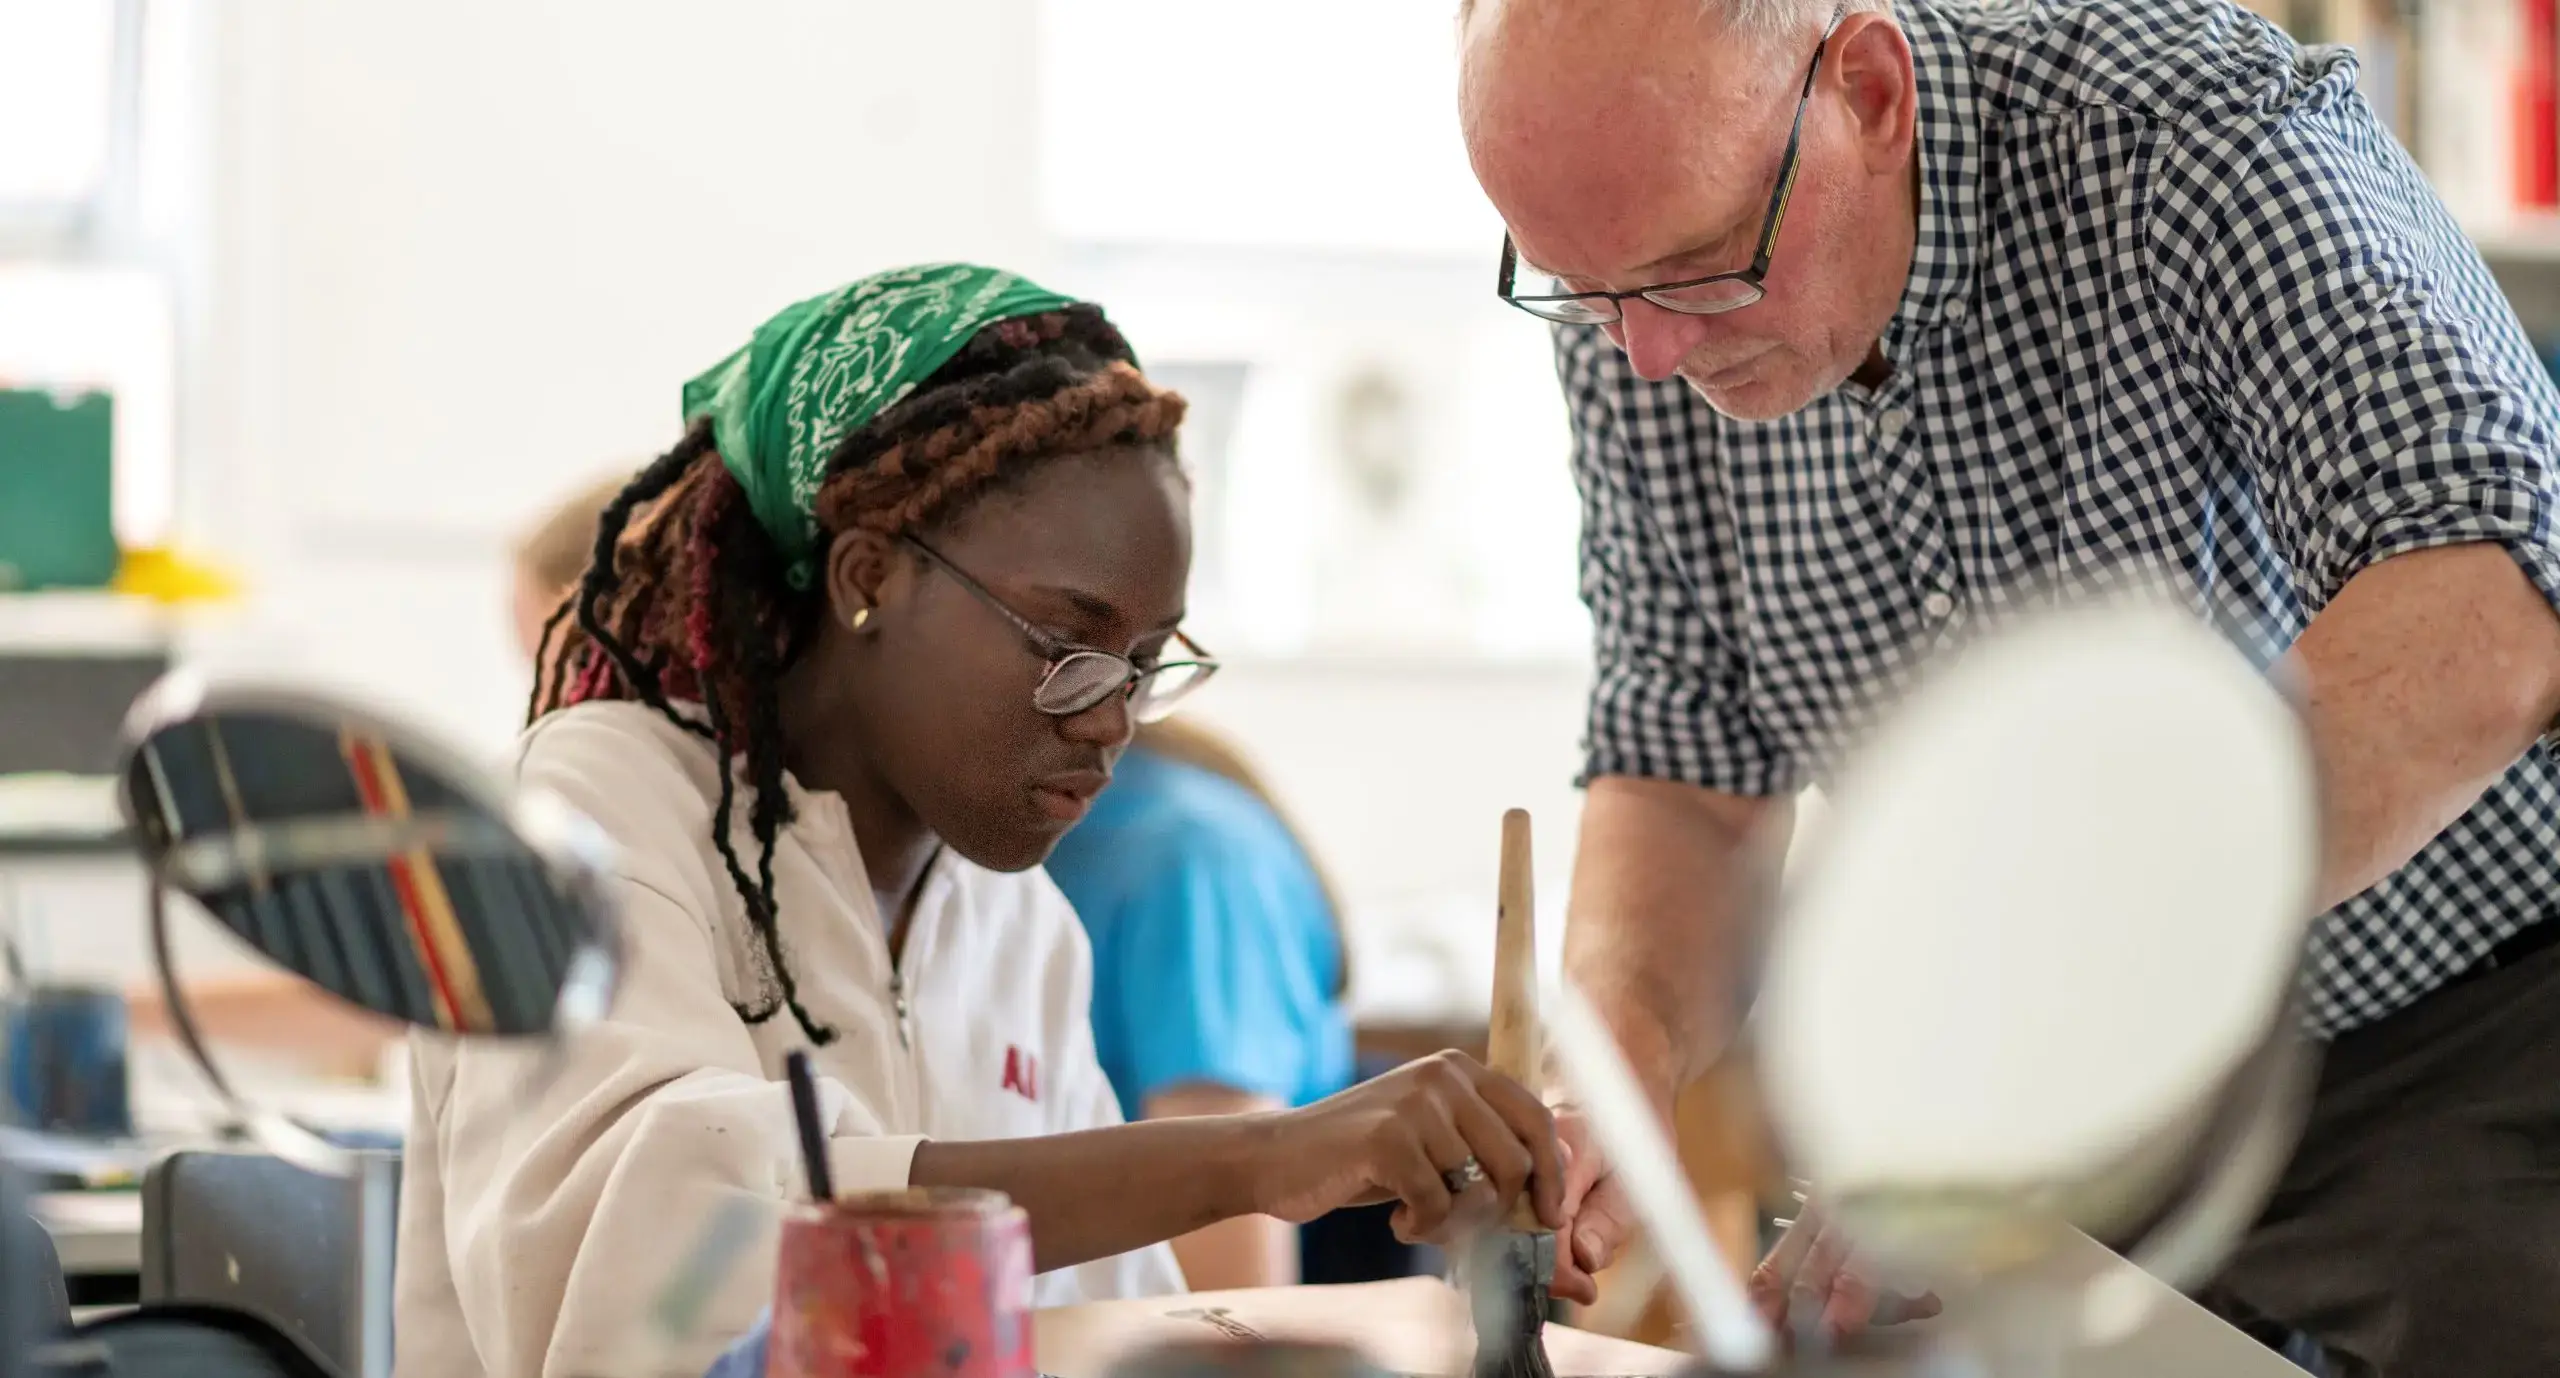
(1597, 1216)
(1813, 1278)
(1659, 884)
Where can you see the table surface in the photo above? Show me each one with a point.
(2153, 1332)
(2135, 1327)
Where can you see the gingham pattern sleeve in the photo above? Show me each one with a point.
(2364, 356)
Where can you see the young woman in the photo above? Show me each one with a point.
(1218, 961)
(848, 660)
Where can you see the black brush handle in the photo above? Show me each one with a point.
(813, 1141)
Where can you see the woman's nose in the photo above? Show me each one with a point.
(1106, 724)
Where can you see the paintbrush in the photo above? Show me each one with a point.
(1512, 1263)
(813, 1138)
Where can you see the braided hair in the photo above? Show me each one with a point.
(685, 598)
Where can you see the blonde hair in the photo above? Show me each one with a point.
(553, 554)
(1187, 742)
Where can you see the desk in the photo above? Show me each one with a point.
(2168, 1335)
(2164, 1335)
(1417, 1325)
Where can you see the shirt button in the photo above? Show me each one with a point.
(1938, 604)
(1889, 426)
(1955, 309)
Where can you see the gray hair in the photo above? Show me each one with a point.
(1775, 20)
(1759, 21)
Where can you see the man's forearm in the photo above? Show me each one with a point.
(2424, 680)
(1663, 881)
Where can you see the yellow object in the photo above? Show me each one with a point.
(165, 576)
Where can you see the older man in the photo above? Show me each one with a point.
(1873, 321)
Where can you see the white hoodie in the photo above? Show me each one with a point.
(539, 1221)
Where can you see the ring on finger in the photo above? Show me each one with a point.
(1463, 1176)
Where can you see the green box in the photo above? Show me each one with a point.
(57, 490)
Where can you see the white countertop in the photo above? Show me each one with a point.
(2131, 1325)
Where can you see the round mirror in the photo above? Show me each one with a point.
(2035, 972)
(370, 862)
(364, 858)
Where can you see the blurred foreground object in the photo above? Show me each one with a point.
(904, 1284)
(2031, 979)
(2049, 936)
(378, 866)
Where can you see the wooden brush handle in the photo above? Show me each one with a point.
(1512, 1044)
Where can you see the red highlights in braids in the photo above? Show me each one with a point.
(685, 597)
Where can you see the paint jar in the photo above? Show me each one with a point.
(928, 1282)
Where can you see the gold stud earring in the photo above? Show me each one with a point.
(860, 616)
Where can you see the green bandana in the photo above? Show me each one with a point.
(826, 366)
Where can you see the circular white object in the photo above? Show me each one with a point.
(1889, 425)
(2056, 902)
(1938, 604)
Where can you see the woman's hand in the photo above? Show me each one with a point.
(1406, 1136)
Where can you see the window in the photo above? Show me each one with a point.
(67, 101)
(85, 300)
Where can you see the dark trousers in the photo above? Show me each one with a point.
(2416, 1233)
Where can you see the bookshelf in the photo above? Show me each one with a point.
(2529, 243)
(2472, 89)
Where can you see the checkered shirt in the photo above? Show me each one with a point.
(2180, 305)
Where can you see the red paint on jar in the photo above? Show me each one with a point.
(929, 1282)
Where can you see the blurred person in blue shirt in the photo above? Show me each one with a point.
(1218, 970)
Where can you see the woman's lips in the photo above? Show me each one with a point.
(1067, 798)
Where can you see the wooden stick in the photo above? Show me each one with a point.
(1512, 1044)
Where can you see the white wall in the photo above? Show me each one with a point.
(465, 253)
(1475, 559)
(1320, 124)
(441, 262)
(1400, 770)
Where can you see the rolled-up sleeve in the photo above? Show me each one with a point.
(2375, 376)
(1667, 688)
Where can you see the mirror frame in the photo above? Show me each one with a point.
(577, 853)
(2201, 1193)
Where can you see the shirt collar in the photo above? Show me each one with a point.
(1949, 148)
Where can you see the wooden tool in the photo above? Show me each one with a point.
(1513, 1044)
(1511, 1268)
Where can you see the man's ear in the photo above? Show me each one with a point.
(1871, 60)
(858, 573)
